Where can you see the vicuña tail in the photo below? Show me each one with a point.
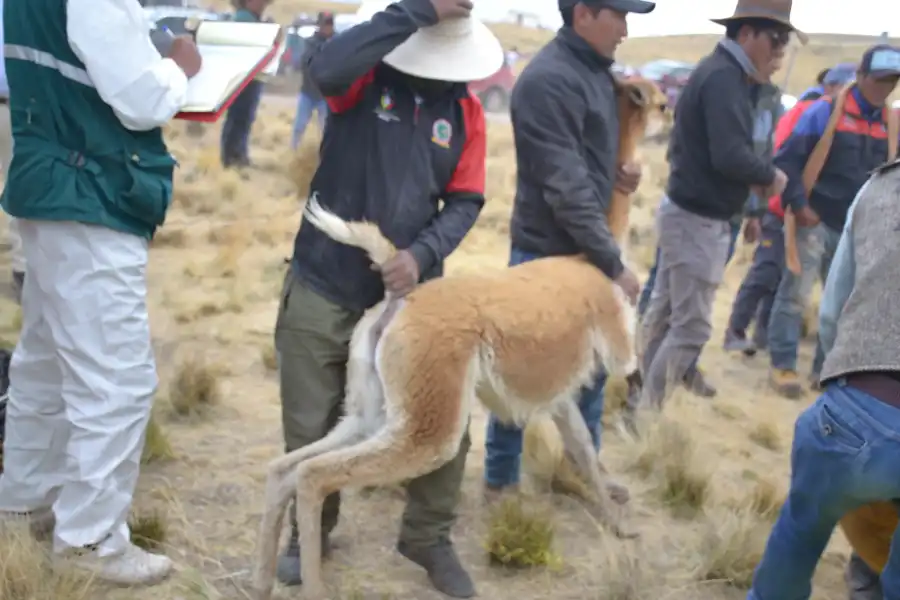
(360, 234)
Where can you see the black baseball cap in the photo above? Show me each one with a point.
(641, 7)
(325, 18)
(880, 61)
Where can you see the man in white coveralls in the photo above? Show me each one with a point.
(89, 183)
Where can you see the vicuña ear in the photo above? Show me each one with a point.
(636, 95)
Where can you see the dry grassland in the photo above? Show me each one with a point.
(705, 487)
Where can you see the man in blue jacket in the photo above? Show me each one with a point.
(860, 145)
(235, 142)
(310, 100)
(405, 147)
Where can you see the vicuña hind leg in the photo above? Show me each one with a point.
(280, 488)
(579, 448)
(381, 460)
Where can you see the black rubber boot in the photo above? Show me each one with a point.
(440, 561)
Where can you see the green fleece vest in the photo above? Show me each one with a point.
(74, 160)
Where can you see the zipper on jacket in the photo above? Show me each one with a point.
(418, 100)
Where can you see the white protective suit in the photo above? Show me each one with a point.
(83, 374)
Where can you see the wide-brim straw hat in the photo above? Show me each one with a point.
(778, 11)
(458, 50)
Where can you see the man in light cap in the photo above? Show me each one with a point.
(404, 134)
(566, 126)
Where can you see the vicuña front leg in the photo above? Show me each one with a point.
(580, 450)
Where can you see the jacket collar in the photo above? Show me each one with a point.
(582, 50)
(863, 107)
(734, 50)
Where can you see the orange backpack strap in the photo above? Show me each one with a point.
(811, 173)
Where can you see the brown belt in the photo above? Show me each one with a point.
(878, 385)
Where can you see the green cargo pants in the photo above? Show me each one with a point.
(312, 337)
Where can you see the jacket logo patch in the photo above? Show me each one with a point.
(385, 110)
(442, 133)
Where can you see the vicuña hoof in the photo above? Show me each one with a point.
(618, 492)
(625, 532)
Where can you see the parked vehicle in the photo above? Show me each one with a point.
(670, 75)
(176, 17)
(494, 92)
(302, 29)
(788, 101)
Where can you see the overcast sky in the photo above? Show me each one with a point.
(673, 17)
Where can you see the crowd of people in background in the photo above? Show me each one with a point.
(91, 179)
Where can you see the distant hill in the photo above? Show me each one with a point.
(823, 50)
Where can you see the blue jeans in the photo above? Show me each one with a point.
(844, 456)
(503, 445)
(235, 142)
(644, 300)
(306, 106)
(815, 247)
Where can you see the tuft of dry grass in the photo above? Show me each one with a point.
(765, 499)
(666, 453)
(626, 574)
(156, 444)
(148, 529)
(766, 435)
(520, 537)
(194, 389)
(303, 165)
(269, 357)
(730, 546)
(26, 572)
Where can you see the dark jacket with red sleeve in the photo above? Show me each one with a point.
(414, 166)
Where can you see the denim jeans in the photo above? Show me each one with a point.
(503, 445)
(756, 295)
(816, 247)
(844, 455)
(306, 106)
(235, 143)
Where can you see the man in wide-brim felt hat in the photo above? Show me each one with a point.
(714, 167)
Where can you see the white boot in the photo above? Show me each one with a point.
(134, 566)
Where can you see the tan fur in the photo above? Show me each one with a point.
(524, 340)
(543, 449)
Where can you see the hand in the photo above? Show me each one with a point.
(630, 285)
(185, 54)
(778, 185)
(401, 273)
(806, 217)
(628, 178)
(752, 230)
(452, 9)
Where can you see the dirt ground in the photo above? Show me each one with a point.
(215, 273)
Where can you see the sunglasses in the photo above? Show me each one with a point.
(778, 37)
